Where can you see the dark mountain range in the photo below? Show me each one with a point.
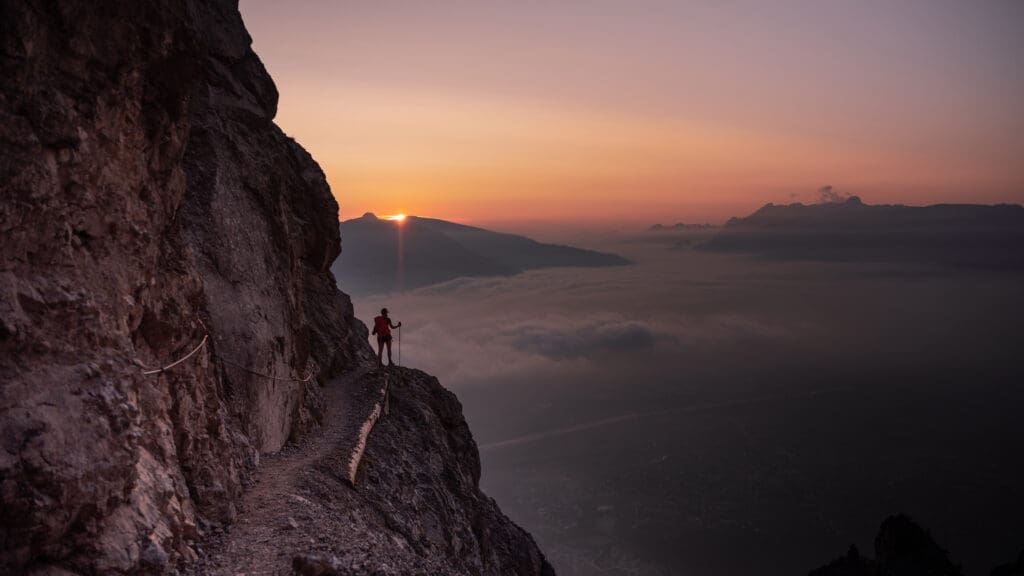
(385, 255)
(961, 235)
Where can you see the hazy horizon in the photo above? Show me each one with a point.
(688, 111)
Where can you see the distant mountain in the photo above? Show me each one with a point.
(679, 227)
(962, 235)
(434, 251)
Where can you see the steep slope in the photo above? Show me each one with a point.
(152, 213)
(417, 508)
(383, 255)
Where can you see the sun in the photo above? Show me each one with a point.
(395, 217)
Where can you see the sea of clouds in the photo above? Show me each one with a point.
(648, 419)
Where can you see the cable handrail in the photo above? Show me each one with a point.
(313, 371)
(180, 360)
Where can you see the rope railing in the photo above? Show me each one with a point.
(313, 371)
(180, 360)
(381, 406)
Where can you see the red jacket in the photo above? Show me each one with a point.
(382, 326)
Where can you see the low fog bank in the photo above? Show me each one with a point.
(700, 413)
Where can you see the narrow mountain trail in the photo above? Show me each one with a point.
(275, 520)
(415, 509)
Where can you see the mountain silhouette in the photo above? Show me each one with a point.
(902, 548)
(959, 235)
(381, 255)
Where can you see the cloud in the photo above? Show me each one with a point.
(687, 368)
(567, 341)
(828, 195)
(660, 320)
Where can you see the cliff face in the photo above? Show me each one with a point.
(419, 500)
(148, 202)
(416, 509)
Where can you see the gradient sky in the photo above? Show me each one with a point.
(648, 111)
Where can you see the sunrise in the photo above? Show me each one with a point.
(491, 288)
(695, 111)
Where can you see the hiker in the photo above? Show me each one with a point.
(382, 328)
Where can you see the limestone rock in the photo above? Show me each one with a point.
(149, 203)
(417, 505)
(148, 199)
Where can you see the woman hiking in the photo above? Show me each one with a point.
(382, 328)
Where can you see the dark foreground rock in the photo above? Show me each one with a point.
(902, 548)
(150, 202)
(1011, 569)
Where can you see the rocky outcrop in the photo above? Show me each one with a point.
(1011, 569)
(902, 548)
(150, 202)
(419, 497)
(416, 506)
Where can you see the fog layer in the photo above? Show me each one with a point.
(699, 413)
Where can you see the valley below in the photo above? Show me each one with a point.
(706, 413)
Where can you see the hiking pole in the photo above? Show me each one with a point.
(399, 345)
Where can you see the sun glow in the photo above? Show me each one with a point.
(395, 217)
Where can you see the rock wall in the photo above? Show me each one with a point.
(152, 209)
(419, 507)
(415, 507)
(149, 200)
(260, 227)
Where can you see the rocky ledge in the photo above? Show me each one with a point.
(416, 506)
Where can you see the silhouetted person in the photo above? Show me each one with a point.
(382, 328)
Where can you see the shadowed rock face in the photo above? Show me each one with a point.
(146, 189)
(148, 199)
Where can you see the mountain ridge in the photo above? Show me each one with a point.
(388, 255)
(950, 235)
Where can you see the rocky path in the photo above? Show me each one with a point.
(277, 519)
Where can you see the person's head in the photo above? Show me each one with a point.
(383, 311)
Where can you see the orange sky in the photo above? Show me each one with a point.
(615, 111)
